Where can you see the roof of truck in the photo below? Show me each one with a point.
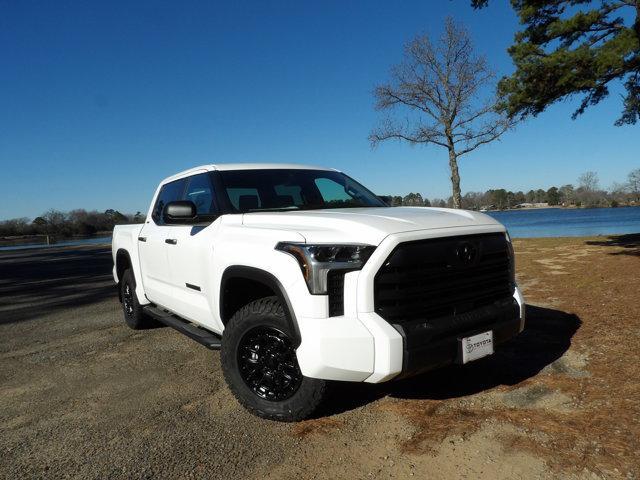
(243, 166)
(266, 166)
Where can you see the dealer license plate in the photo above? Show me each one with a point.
(477, 346)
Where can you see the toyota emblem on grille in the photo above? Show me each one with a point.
(467, 253)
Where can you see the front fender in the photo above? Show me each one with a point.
(266, 278)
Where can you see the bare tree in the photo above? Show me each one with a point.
(588, 187)
(589, 182)
(567, 194)
(440, 87)
(634, 183)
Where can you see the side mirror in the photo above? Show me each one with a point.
(386, 199)
(179, 212)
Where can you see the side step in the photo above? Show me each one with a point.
(200, 335)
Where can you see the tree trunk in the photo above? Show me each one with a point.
(636, 25)
(455, 178)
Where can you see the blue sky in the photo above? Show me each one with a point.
(101, 100)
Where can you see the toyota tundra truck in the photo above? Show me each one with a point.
(301, 276)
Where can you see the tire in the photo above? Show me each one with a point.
(134, 315)
(260, 366)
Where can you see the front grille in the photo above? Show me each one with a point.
(441, 277)
(335, 289)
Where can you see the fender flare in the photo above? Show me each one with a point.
(125, 253)
(268, 279)
(122, 252)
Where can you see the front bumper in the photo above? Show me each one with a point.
(427, 348)
(368, 349)
(362, 346)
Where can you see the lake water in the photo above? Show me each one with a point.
(578, 222)
(543, 222)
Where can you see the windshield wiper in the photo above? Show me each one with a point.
(278, 209)
(309, 207)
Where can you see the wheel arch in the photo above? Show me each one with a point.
(123, 263)
(242, 284)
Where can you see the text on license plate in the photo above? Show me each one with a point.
(477, 346)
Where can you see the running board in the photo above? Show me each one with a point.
(200, 335)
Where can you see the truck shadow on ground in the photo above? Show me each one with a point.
(630, 244)
(546, 338)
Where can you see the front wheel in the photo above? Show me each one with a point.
(260, 366)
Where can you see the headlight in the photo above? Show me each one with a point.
(317, 260)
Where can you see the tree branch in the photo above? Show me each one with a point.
(485, 137)
(441, 83)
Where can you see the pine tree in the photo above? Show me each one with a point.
(573, 47)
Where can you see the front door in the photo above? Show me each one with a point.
(154, 264)
(189, 252)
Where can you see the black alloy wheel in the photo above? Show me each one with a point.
(260, 364)
(127, 300)
(267, 363)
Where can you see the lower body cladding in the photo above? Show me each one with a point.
(369, 349)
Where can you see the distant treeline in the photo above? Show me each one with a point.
(67, 224)
(586, 194)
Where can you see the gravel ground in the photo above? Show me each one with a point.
(82, 396)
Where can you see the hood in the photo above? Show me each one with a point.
(364, 225)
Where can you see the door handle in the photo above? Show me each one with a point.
(171, 241)
(142, 239)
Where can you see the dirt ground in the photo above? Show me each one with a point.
(82, 396)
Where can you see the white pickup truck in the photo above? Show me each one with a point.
(301, 276)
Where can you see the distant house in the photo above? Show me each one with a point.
(532, 205)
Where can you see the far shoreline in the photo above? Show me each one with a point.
(557, 207)
(107, 244)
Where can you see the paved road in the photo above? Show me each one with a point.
(83, 396)
(47, 280)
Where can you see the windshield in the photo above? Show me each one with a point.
(291, 189)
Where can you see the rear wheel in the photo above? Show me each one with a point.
(260, 365)
(134, 314)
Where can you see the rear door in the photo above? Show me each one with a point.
(154, 264)
(189, 252)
